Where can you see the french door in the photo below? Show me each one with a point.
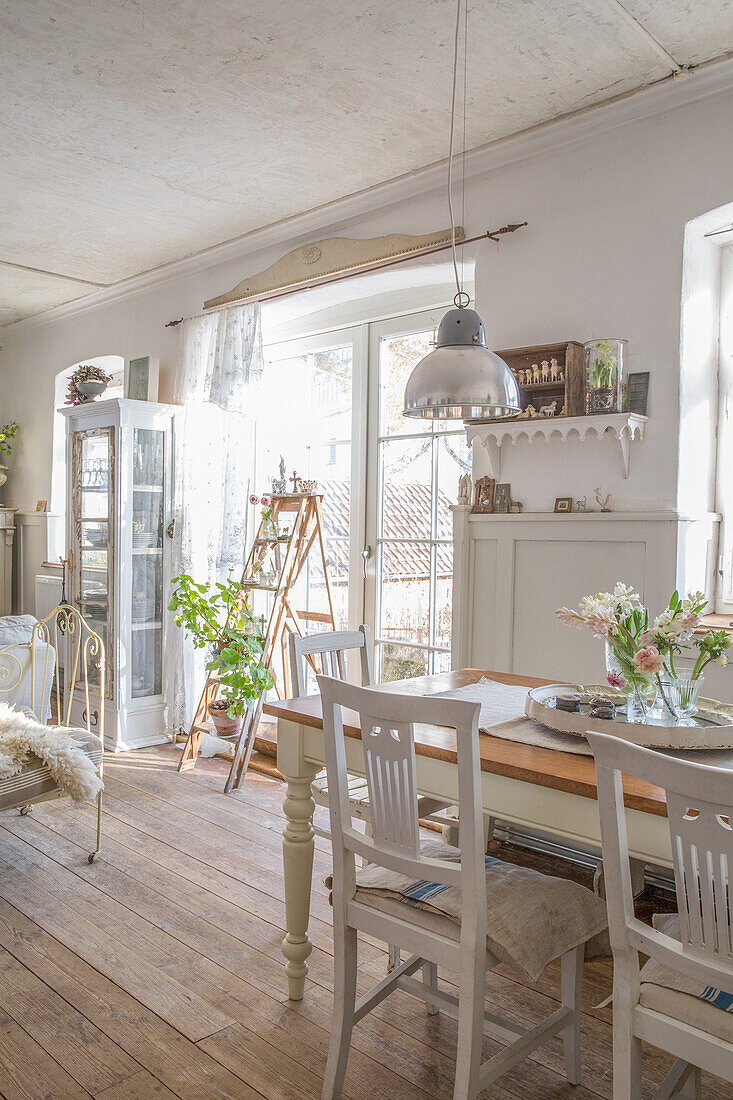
(332, 405)
(413, 472)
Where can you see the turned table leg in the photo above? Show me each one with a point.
(298, 869)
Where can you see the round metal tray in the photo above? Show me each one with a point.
(711, 728)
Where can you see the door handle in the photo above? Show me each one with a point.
(365, 556)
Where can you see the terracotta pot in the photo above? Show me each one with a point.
(224, 725)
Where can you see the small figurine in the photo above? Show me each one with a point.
(535, 374)
(515, 506)
(545, 371)
(554, 371)
(280, 484)
(464, 489)
(603, 501)
(519, 375)
(548, 410)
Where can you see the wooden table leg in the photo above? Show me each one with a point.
(297, 856)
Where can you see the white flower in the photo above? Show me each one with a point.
(626, 599)
(693, 600)
(721, 660)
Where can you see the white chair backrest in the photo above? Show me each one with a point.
(387, 722)
(326, 653)
(700, 813)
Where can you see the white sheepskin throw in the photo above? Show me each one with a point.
(69, 765)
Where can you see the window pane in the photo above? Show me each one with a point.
(401, 662)
(305, 414)
(443, 594)
(454, 459)
(441, 662)
(404, 583)
(398, 357)
(407, 474)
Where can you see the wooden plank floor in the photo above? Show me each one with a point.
(157, 973)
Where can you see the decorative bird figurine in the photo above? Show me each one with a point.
(603, 501)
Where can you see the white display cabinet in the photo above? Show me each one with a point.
(120, 461)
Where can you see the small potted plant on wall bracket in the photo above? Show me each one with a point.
(86, 383)
(604, 372)
(218, 618)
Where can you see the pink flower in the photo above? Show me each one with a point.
(572, 618)
(616, 679)
(602, 623)
(265, 502)
(649, 659)
(254, 499)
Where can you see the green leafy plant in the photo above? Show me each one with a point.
(87, 372)
(218, 617)
(604, 366)
(7, 433)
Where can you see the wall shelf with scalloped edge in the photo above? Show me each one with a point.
(624, 426)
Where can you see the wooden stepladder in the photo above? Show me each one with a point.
(305, 540)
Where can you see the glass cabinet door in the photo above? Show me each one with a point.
(92, 557)
(148, 482)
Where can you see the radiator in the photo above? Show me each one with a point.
(48, 597)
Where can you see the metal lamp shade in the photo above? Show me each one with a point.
(461, 379)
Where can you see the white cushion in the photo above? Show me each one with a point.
(16, 628)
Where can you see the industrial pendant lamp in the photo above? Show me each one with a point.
(461, 379)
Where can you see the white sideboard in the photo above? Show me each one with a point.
(512, 571)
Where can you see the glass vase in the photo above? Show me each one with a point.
(640, 690)
(604, 375)
(269, 528)
(677, 698)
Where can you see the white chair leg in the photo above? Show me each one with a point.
(626, 1058)
(344, 984)
(430, 977)
(692, 1087)
(571, 983)
(470, 1029)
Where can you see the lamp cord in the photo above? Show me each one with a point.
(450, 152)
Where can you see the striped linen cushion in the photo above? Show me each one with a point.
(35, 780)
(665, 990)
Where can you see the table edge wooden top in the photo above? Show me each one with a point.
(561, 771)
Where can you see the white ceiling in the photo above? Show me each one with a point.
(135, 132)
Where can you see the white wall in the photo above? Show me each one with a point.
(607, 197)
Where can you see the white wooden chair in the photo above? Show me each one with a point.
(700, 814)
(327, 653)
(387, 726)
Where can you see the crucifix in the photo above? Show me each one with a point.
(295, 479)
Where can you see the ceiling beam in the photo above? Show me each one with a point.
(53, 274)
(643, 32)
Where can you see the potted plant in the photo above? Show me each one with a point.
(218, 618)
(86, 383)
(7, 433)
(604, 375)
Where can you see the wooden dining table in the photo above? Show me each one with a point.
(544, 789)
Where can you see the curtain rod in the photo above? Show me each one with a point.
(490, 234)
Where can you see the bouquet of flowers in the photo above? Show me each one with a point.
(641, 654)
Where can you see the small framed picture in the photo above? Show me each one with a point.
(637, 392)
(41, 505)
(483, 500)
(141, 379)
(563, 504)
(502, 499)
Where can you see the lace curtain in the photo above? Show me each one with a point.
(221, 367)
